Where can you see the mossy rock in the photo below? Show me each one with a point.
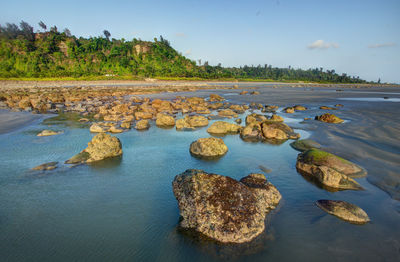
(82, 157)
(344, 210)
(304, 145)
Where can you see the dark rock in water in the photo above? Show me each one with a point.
(223, 208)
(101, 147)
(46, 166)
(304, 144)
(210, 147)
(264, 169)
(339, 105)
(328, 169)
(385, 97)
(329, 118)
(344, 210)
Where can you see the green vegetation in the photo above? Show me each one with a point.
(50, 55)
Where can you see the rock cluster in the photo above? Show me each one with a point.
(222, 208)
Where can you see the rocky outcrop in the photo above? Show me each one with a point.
(222, 208)
(223, 128)
(48, 133)
(328, 169)
(208, 147)
(164, 120)
(329, 118)
(304, 144)
(101, 147)
(344, 210)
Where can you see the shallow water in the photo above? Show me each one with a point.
(371, 99)
(124, 209)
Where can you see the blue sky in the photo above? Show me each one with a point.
(357, 37)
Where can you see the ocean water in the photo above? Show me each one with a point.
(124, 210)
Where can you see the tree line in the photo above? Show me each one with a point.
(54, 53)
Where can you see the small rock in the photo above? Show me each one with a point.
(238, 121)
(46, 166)
(96, 128)
(344, 210)
(289, 110)
(48, 133)
(142, 124)
(115, 129)
(208, 147)
(329, 118)
(327, 108)
(304, 144)
(243, 92)
(299, 108)
(276, 118)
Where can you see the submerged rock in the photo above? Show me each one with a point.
(222, 208)
(48, 133)
(46, 166)
(101, 147)
(208, 147)
(223, 128)
(344, 210)
(329, 118)
(328, 169)
(304, 144)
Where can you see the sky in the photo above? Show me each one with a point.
(360, 38)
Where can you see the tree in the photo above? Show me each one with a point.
(43, 25)
(54, 29)
(27, 31)
(107, 34)
(67, 32)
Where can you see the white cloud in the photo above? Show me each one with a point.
(188, 52)
(321, 44)
(180, 34)
(382, 45)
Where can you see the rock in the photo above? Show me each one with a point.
(46, 166)
(266, 194)
(96, 128)
(114, 129)
(83, 120)
(164, 120)
(304, 144)
(196, 121)
(255, 93)
(238, 121)
(344, 210)
(277, 130)
(142, 125)
(216, 98)
(299, 108)
(271, 108)
(251, 132)
(276, 118)
(126, 125)
(327, 108)
(253, 118)
(101, 147)
(48, 133)
(143, 115)
(208, 147)
(328, 169)
(223, 128)
(227, 113)
(339, 105)
(220, 207)
(329, 118)
(289, 110)
(243, 92)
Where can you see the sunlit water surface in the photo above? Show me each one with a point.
(124, 209)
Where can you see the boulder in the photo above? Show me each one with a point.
(48, 133)
(329, 118)
(344, 210)
(142, 124)
(210, 147)
(299, 108)
(220, 207)
(328, 169)
(101, 147)
(278, 131)
(251, 132)
(46, 166)
(223, 128)
(164, 120)
(304, 144)
(267, 196)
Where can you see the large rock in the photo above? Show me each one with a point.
(223, 128)
(220, 207)
(329, 118)
(344, 210)
(164, 120)
(278, 131)
(328, 169)
(304, 144)
(267, 195)
(101, 147)
(208, 147)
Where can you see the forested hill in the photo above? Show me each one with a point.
(25, 53)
